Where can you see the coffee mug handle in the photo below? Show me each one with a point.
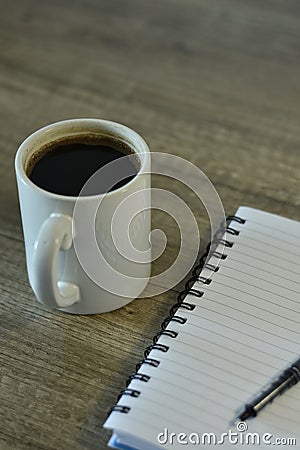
(55, 234)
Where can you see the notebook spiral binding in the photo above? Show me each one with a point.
(173, 317)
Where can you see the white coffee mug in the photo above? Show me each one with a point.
(59, 275)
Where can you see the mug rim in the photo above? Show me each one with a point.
(109, 126)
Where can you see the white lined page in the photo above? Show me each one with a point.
(242, 333)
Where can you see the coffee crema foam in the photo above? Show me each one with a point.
(82, 138)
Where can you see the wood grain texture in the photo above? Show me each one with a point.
(215, 82)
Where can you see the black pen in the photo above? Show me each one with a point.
(285, 381)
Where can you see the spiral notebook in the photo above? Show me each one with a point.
(232, 334)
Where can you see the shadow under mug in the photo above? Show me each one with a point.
(91, 280)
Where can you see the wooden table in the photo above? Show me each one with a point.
(217, 83)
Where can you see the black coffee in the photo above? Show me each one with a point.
(63, 167)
